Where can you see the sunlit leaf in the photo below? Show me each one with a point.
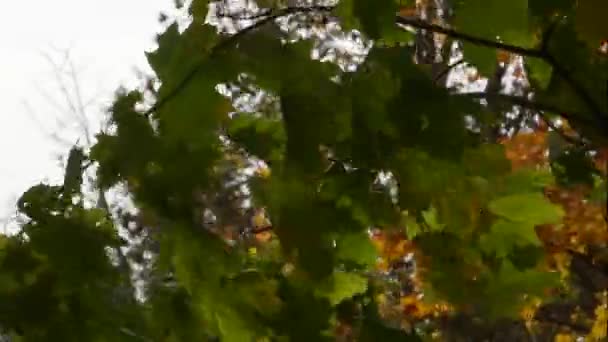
(504, 236)
(341, 286)
(357, 248)
(531, 208)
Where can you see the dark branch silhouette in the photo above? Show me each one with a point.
(601, 118)
(445, 71)
(229, 42)
(542, 53)
(529, 104)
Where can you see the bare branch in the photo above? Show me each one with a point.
(81, 108)
(66, 94)
(30, 112)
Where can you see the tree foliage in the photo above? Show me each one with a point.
(285, 198)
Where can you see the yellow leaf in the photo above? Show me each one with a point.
(563, 337)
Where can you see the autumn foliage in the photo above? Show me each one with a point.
(335, 171)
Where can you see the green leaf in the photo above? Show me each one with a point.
(527, 257)
(345, 11)
(504, 294)
(357, 248)
(328, 137)
(529, 208)
(504, 236)
(376, 18)
(302, 325)
(430, 217)
(524, 180)
(422, 177)
(492, 19)
(412, 227)
(342, 286)
(540, 72)
(487, 161)
(178, 54)
(191, 107)
(599, 194)
(262, 137)
(198, 10)
(232, 328)
(255, 291)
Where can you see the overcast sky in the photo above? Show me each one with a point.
(106, 40)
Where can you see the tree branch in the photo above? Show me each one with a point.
(260, 230)
(231, 40)
(600, 116)
(447, 70)
(241, 17)
(538, 108)
(568, 138)
(421, 24)
(534, 105)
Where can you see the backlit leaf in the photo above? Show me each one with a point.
(342, 286)
(530, 208)
(357, 248)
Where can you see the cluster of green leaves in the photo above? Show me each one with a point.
(57, 280)
(335, 134)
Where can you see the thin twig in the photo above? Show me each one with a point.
(80, 104)
(600, 116)
(58, 107)
(228, 42)
(534, 105)
(251, 17)
(58, 78)
(520, 121)
(572, 140)
(448, 69)
(548, 34)
(41, 127)
(596, 111)
(421, 24)
(260, 230)
(73, 99)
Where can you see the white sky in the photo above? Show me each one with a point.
(106, 40)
